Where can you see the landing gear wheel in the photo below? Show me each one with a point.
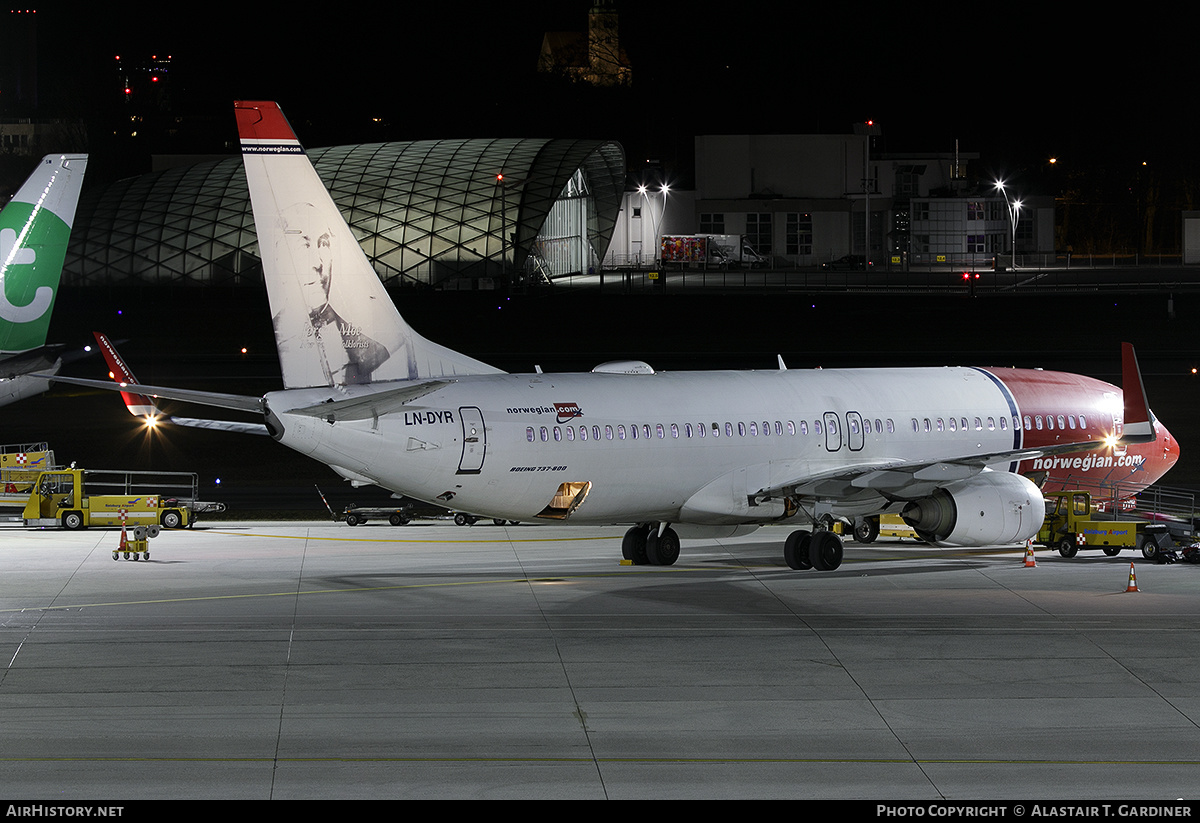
(1068, 548)
(866, 530)
(633, 546)
(1112, 551)
(662, 549)
(825, 551)
(795, 550)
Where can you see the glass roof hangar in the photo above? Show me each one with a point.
(423, 211)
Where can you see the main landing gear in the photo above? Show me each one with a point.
(820, 550)
(643, 545)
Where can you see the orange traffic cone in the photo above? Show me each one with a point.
(124, 543)
(1132, 587)
(1030, 563)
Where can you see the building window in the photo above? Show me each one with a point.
(712, 223)
(758, 232)
(974, 210)
(799, 234)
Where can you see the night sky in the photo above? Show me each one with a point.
(1012, 84)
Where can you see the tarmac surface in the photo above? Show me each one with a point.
(295, 660)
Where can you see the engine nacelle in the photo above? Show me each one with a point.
(988, 509)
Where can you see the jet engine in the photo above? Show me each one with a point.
(988, 509)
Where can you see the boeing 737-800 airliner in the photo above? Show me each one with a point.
(691, 453)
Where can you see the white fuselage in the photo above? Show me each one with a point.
(690, 447)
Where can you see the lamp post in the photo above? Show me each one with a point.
(1014, 215)
(656, 224)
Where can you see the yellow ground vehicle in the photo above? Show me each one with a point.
(78, 498)
(20, 465)
(1073, 521)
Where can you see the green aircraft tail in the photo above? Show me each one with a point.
(34, 229)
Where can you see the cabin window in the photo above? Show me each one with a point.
(675, 430)
(728, 429)
(803, 427)
(1071, 421)
(716, 429)
(866, 425)
(701, 429)
(753, 429)
(891, 427)
(741, 429)
(1062, 422)
(662, 434)
(608, 433)
(545, 435)
(766, 429)
(816, 427)
(1028, 423)
(620, 432)
(557, 434)
(1082, 422)
(529, 436)
(916, 426)
(991, 424)
(1037, 422)
(941, 425)
(583, 432)
(571, 433)
(646, 430)
(953, 424)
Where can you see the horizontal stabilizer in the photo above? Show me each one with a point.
(372, 405)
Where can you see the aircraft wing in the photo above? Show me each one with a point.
(220, 425)
(914, 478)
(239, 402)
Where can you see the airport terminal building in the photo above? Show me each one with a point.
(437, 212)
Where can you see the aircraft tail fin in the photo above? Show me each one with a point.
(334, 322)
(34, 229)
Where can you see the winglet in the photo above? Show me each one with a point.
(139, 405)
(1139, 422)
